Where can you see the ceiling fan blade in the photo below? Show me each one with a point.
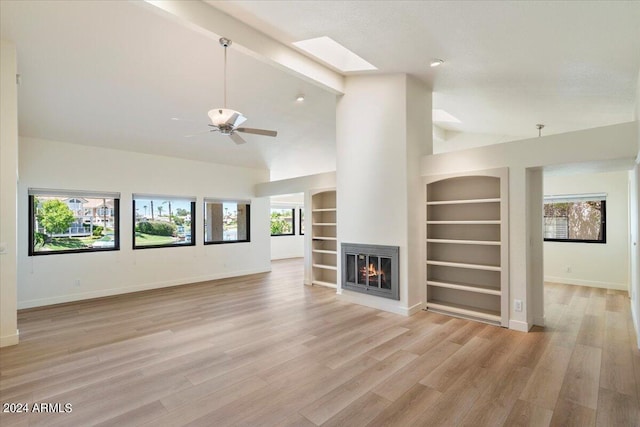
(232, 118)
(258, 131)
(237, 138)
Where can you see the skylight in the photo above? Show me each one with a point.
(443, 117)
(333, 53)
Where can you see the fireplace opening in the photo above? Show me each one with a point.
(371, 269)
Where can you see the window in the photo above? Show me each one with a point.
(301, 230)
(575, 218)
(226, 221)
(282, 222)
(163, 221)
(64, 221)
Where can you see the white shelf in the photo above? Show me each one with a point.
(325, 267)
(465, 310)
(480, 222)
(464, 265)
(324, 251)
(463, 202)
(322, 283)
(480, 289)
(324, 255)
(465, 242)
(467, 245)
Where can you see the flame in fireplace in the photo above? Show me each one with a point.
(371, 271)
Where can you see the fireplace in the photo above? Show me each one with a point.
(371, 269)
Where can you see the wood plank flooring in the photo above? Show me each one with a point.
(264, 350)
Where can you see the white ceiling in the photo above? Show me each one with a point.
(509, 64)
(113, 74)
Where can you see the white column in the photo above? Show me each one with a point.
(8, 194)
(383, 128)
(535, 251)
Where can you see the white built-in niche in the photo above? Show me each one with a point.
(467, 245)
(324, 252)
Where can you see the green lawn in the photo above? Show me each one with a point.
(70, 243)
(66, 243)
(143, 239)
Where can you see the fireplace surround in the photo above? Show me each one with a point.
(371, 269)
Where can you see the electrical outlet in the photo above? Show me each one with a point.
(77, 283)
(517, 304)
(568, 269)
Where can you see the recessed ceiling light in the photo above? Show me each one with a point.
(442, 116)
(436, 62)
(333, 53)
(300, 98)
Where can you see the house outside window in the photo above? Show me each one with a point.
(575, 218)
(227, 221)
(71, 221)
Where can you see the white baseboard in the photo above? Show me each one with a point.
(383, 304)
(593, 284)
(415, 308)
(8, 340)
(40, 302)
(538, 321)
(517, 325)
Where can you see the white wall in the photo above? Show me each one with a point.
(586, 260)
(598, 144)
(634, 242)
(306, 185)
(634, 213)
(283, 247)
(8, 194)
(51, 279)
(454, 141)
(383, 128)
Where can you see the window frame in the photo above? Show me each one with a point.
(603, 218)
(293, 221)
(300, 221)
(76, 195)
(226, 242)
(192, 203)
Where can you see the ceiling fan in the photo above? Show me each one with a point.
(227, 121)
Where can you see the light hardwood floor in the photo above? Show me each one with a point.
(265, 350)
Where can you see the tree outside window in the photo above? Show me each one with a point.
(282, 222)
(577, 219)
(163, 222)
(61, 222)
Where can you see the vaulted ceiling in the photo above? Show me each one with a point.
(114, 74)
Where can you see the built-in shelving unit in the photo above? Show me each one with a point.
(467, 238)
(324, 251)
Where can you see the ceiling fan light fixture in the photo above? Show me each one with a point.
(226, 117)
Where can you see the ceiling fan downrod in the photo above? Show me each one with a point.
(225, 43)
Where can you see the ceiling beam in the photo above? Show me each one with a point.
(210, 21)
